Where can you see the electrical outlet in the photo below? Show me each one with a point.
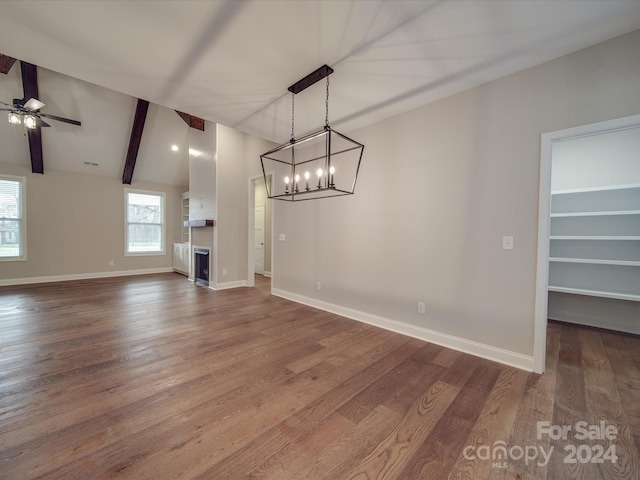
(319, 285)
(281, 237)
(421, 308)
(224, 271)
(111, 263)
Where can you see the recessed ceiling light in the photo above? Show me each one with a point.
(174, 148)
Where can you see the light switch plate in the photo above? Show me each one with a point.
(281, 237)
(507, 243)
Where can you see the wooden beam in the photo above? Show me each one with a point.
(192, 120)
(6, 63)
(30, 90)
(134, 141)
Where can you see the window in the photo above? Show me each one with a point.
(145, 223)
(12, 222)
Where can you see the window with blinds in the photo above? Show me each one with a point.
(145, 218)
(12, 221)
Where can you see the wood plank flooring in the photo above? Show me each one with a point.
(151, 377)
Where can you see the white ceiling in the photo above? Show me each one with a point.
(232, 61)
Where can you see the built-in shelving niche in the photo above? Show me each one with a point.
(594, 251)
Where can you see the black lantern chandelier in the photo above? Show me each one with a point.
(319, 165)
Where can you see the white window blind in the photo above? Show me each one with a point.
(11, 218)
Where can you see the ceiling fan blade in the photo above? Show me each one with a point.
(60, 119)
(6, 109)
(33, 104)
(7, 104)
(41, 123)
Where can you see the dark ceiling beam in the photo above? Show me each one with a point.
(30, 90)
(192, 120)
(134, 141)
(6, 63)
(313, 77)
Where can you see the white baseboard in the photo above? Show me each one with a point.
(227, 285)
(500, 355)
(267, 274)
(82, 276)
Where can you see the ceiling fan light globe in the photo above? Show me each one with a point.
(14, 118)
(30, 122)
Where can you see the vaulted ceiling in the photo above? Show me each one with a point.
(232, 61)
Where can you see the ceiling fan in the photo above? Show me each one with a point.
(27, 112)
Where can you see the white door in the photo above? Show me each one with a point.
(259, 240)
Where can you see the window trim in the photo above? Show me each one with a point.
(163, 200)
(23, 217)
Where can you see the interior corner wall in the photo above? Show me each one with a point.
(75, 227)
(439, 187)
(238, 159)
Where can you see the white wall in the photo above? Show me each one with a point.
(439, 187)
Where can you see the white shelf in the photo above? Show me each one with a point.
(587, 226)
(594, 237)
(596, 261)
(595, 189)
(595, 293)
(595, 214)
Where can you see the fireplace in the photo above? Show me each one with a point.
(201, 263)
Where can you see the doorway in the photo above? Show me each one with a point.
(260, 228)
(581, 242)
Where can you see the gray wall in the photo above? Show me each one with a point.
(439, 187)
(75, 225)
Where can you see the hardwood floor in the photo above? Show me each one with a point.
(152, 377)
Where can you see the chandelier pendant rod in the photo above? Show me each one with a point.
(313, 77)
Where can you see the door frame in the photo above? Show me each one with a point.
(251, 230)
(544, 211)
